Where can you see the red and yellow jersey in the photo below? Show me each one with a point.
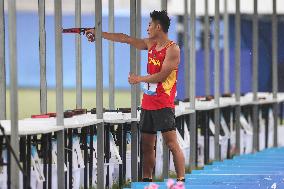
(159, 95)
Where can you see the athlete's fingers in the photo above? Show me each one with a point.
(91, 30)
(133, 79)
(90, 35)
(130, 78)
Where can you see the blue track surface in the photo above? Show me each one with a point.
(263, 170)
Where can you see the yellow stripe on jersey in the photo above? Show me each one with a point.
(169, 82)
(169, 44)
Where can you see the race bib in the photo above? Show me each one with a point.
(150, 88)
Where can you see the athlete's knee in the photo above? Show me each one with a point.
(172, 145)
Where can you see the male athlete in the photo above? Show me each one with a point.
(159, 90)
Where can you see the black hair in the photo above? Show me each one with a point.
(162, 18)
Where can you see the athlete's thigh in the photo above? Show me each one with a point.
(170, 137)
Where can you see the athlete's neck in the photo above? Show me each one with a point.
(162, 40)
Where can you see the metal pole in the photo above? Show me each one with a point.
(206, 50)
(192, 69)
(133, 69)
(138, 53)
(13, 91)
(59, 93)
(99, 94)
(42, 56)
(255, 78)
(164, 4)
(186, 49)
(138, 68)
(275, 71)
(2, 63)
(255, 52)
(217, 79)
(226, 50)
(237, 73)
(111, 57)
(166, 151)
(78, 49)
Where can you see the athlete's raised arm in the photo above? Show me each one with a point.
(141, 44)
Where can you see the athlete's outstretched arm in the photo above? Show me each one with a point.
(170, 64)
(141, 44)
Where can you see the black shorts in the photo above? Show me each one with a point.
(152, 121)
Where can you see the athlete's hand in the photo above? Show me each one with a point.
(90, 34)
(134, 79)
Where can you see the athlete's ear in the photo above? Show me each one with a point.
(159, 27)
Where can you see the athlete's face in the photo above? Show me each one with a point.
(153, 29)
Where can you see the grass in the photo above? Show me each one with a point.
(29, 100)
